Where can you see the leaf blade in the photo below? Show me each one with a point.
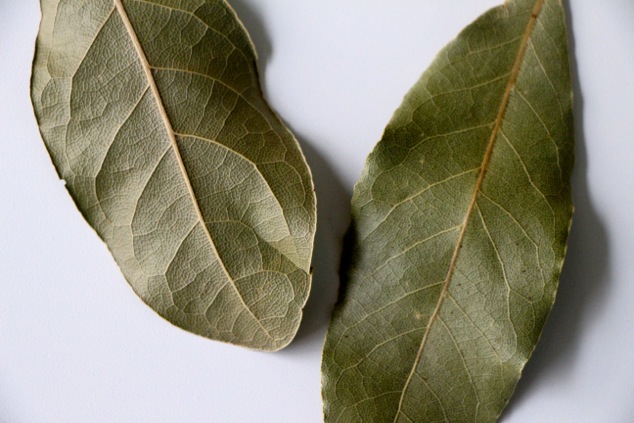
(154, 116)
(428, 212)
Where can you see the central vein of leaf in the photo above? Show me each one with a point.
(485, 163)
(147, 70)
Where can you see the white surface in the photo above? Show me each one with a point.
(76, 345)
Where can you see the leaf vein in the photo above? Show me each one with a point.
(174, 146)
(487, 157)
(196, 17)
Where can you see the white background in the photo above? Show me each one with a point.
(76, 345)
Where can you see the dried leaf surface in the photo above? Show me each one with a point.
(153, 115)
(460, 221)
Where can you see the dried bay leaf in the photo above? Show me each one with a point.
(152, 113)
(460, 222)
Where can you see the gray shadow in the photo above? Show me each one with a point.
(333, 218)
(584, 280)
(333, 205)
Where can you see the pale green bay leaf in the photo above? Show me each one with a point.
(460, 222)
(153, 115)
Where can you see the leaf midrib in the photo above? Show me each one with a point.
(147, 70)
(485, 162)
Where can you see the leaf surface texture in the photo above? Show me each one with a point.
(460, 222)
(153, 114)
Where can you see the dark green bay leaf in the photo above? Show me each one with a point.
(153, 114)
(460, 222)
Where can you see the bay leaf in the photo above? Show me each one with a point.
(153, 115)
(460, 222)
